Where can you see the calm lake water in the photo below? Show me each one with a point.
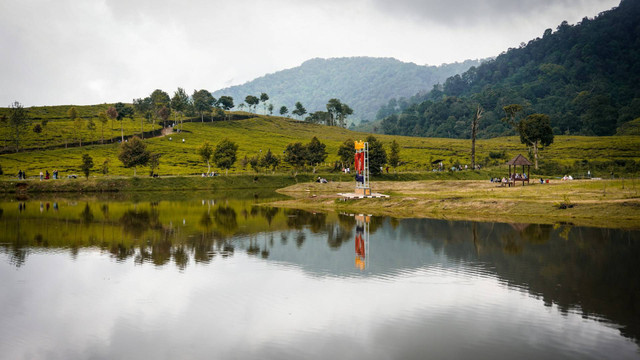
(192, 276)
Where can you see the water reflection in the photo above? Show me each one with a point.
(587, 271)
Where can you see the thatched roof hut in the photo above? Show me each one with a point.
(519, 161)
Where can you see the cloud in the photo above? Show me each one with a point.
(115, 50)
(487, 12)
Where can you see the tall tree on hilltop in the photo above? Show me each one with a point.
(202, 102)
(144, 107)
(18, 122)
(123, 111)
(300, 110)
(72, 113)
(338, 112)
(536, 131)
(252, 101)
(283, 110)
(159, 99)
(103, 118)
(180, 102)
(263, 99)
(112, 113)
(226, 104)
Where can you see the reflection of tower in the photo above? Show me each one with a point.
(362, 241)
(361, 160)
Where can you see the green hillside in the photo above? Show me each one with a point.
(255, 136)
(585, 77)
(363, 83)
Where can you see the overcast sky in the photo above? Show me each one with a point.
(56, 52)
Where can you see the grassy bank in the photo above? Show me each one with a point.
(601, 203)
(142, 184)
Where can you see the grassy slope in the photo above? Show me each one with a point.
(263, 133)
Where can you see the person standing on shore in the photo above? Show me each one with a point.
(20, 174)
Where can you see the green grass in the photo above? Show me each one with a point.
(568, 154)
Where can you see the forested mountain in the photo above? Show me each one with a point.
(363, 83)
(586, 77)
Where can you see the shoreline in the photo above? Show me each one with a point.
(595, 203)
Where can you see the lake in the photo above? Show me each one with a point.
(218, 276)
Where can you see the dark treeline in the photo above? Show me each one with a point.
(584, 76)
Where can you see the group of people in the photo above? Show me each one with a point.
(321, 180)
(22, 175)
(568, 177)
(211, 174)
(47, 176)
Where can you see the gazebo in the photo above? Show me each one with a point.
(519, 160)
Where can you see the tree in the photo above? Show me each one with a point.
(225, 154)
(72, 113)
(226, 103)
(316, 152)
(202, 102)
(205, 151)
(270, 161)
(263, 99)
(252, 101)
(270, 108)
(377, 155)
(163, 114)
(18, 122)
(78, 124)
(159, 99)
(154, 162)
(511, 112)
(318, 117)
(180, 102)
(474, 132)
(300, 110)
(123, 111)
(283, 110)
(87, 164)
(394, 155)
(112, 113)
(346, 152)
(144, 107)
(536, 130)
(134, 153)
(296, 155)
(103, 118)
(338, 112)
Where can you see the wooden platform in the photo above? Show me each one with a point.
(351, 196)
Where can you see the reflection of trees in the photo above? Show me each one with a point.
(269, 213)
(181, 257)
(226, 219)
(86, 215)
(297, 219)
(120, 251)
(136, 222)
(300, 238)
(593, 271)
(337, 235)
